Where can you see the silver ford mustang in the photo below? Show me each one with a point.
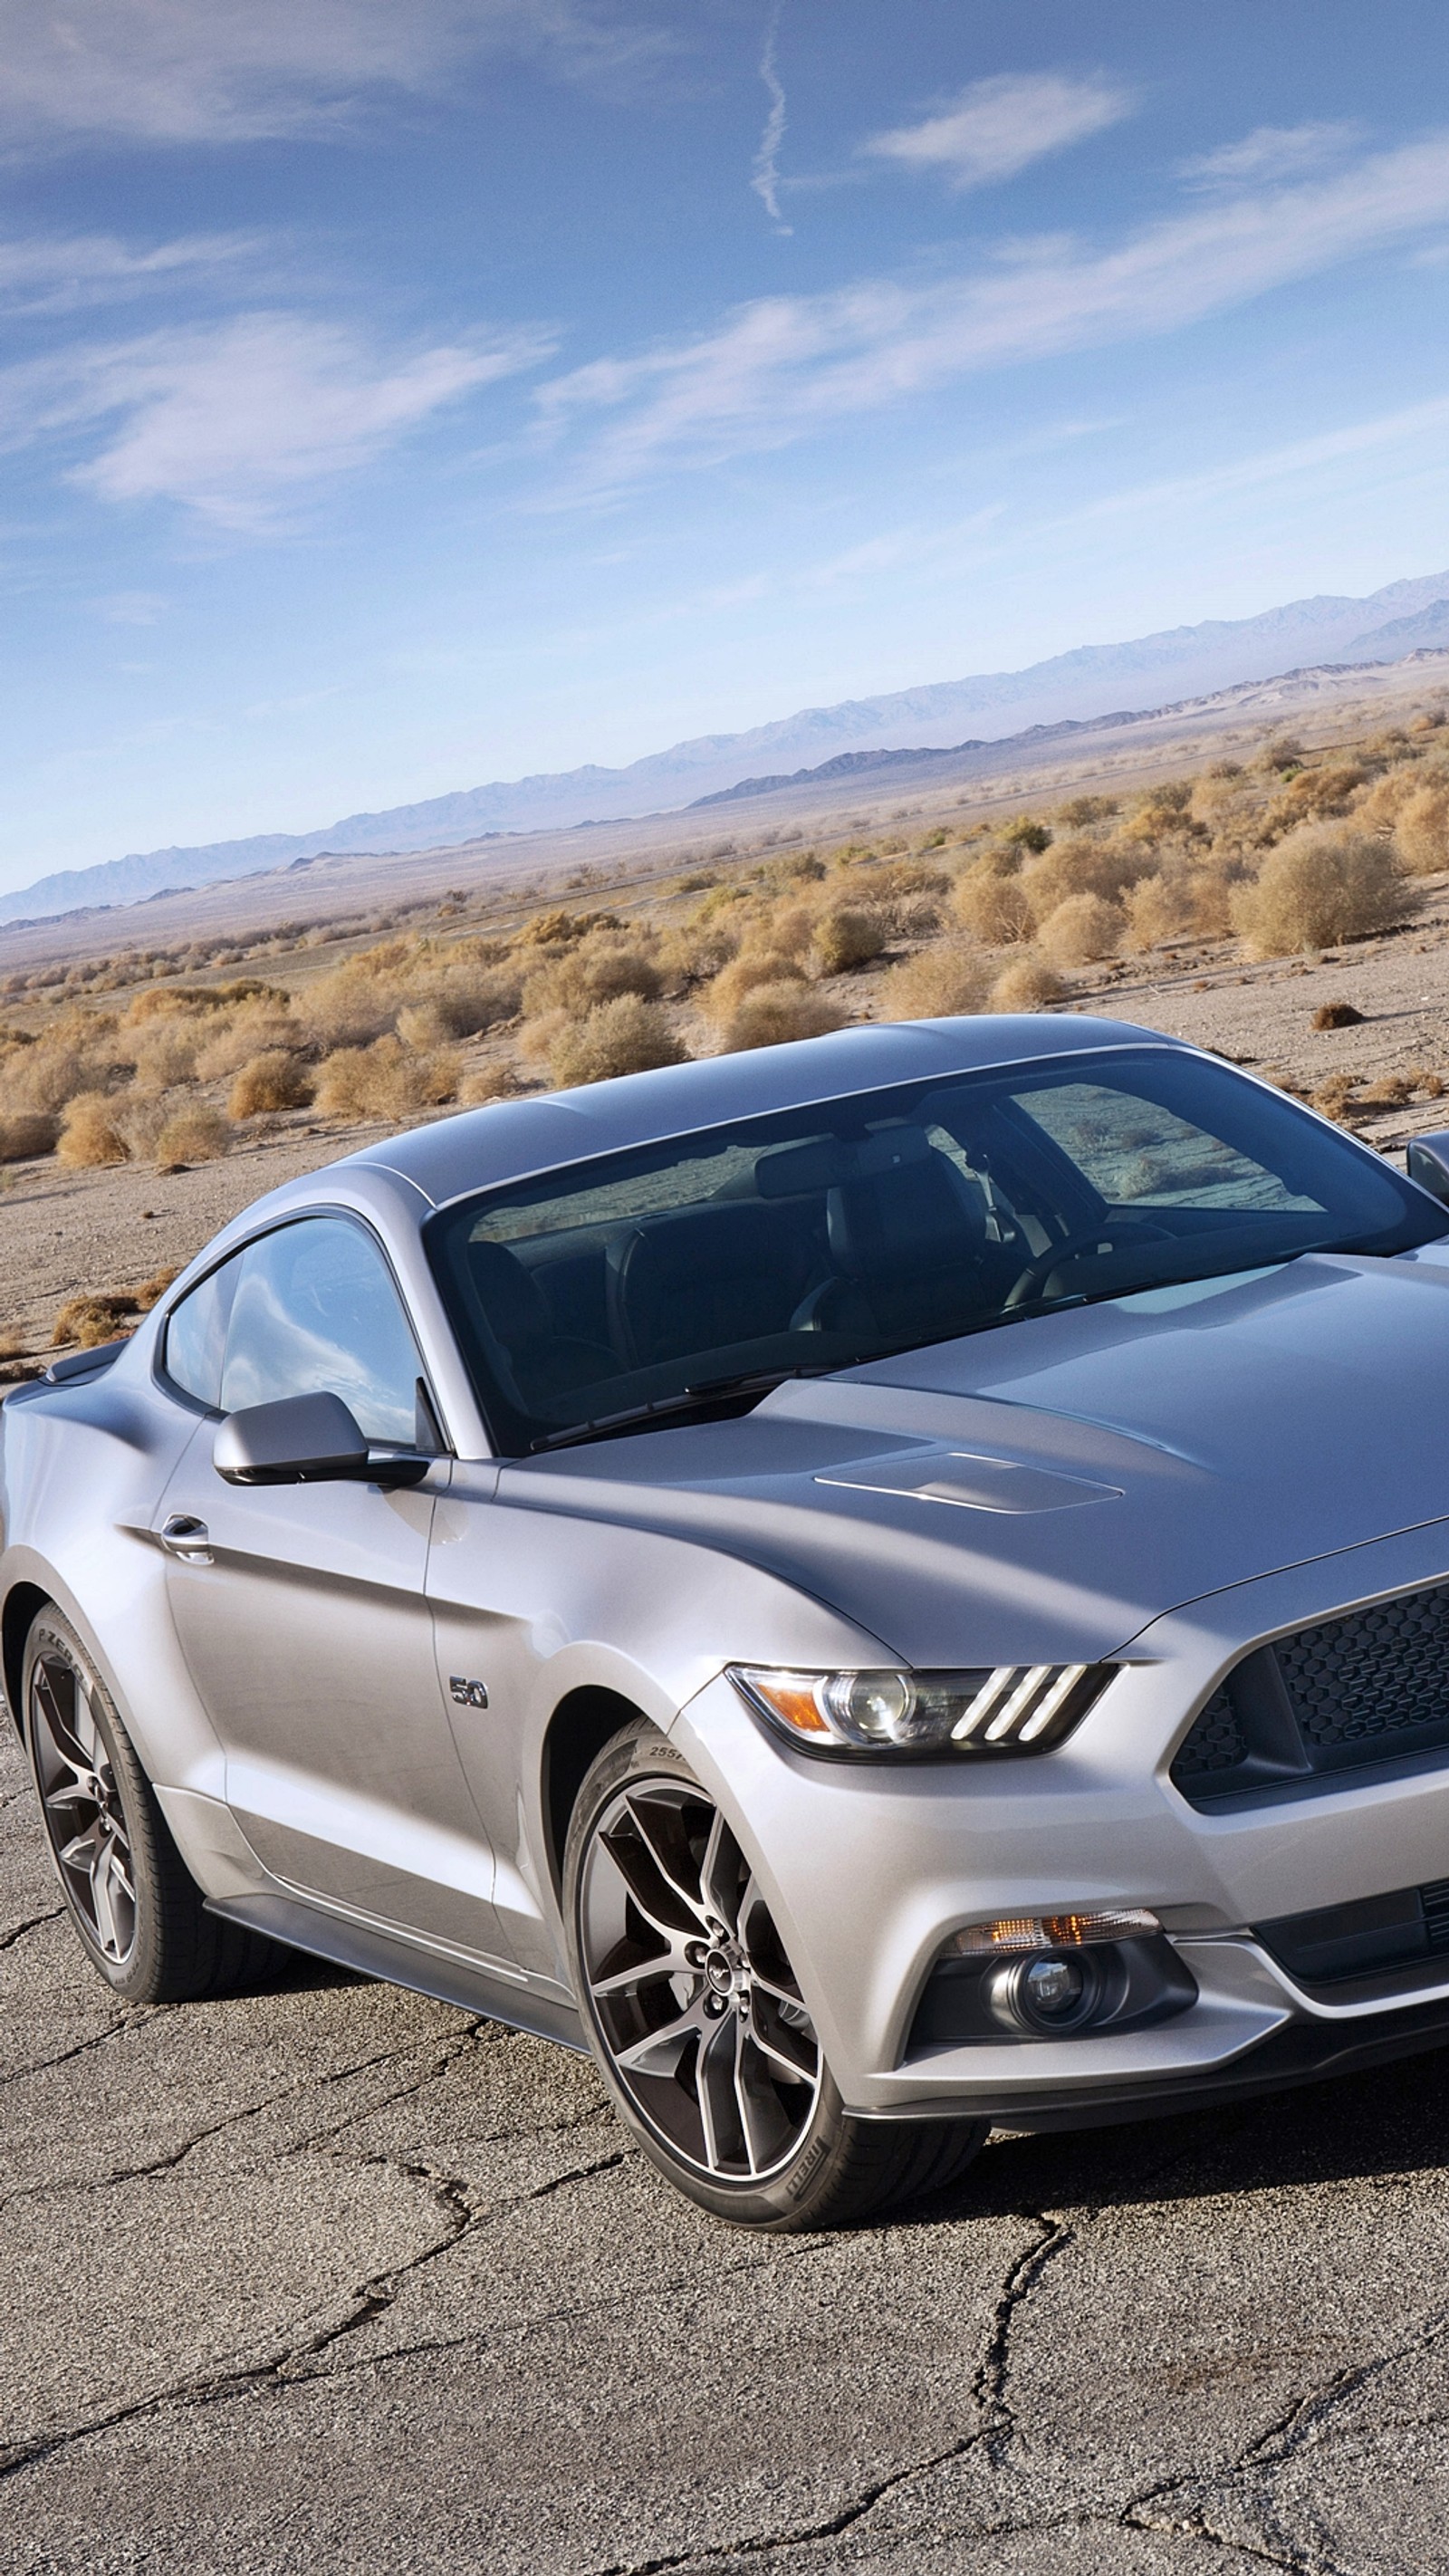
(882, 1586)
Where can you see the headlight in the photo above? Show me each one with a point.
(1006, 1708)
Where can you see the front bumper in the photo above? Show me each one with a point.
(871, 1870)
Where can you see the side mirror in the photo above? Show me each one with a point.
(306, 1440)
(1427, 1162)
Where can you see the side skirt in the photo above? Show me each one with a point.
(403, 1963)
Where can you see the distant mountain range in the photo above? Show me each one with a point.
(1094, 680)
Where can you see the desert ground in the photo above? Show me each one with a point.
(333, 2278)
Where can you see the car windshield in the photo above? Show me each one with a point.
(689, 1276)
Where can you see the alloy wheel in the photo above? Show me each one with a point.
(84, 1814)
(689, 1986)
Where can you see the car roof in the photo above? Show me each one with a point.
(452, 1157)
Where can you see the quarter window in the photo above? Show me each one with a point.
(196, 1336)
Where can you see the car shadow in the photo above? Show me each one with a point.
(1394, 2120)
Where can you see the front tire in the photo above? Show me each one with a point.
(135, 1906)
(698, 2022)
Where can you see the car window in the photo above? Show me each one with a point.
(1138, 1152)
(315, 1312)
(196, 1335)
(816, 1238)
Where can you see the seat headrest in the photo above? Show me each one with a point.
(511, 1299)
(925, 1211)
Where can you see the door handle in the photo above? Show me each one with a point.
(185, 1536)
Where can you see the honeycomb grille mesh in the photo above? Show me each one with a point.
(1380, 1673)
(1349, 1691)
(1217, 1741)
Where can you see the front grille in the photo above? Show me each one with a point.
(1366, 1689)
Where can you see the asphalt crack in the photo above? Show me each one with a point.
(993, 2376)
(443, 2054)
(18, 1931)
(288, 2368)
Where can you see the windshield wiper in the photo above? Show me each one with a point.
(707, 1391)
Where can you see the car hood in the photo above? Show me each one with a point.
(1045, 1489)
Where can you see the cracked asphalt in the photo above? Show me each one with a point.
(333, 2278)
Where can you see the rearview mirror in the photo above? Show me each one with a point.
(306, 1440)
(1427, 1162)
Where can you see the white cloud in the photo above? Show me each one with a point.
(60, 273)
(779, 367)
(996, 127)
(1269, 153)
(185, 71)
(766, 178)
(228, 419)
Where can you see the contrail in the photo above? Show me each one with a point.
(766, 180)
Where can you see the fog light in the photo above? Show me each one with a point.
(1045, 1995)
(1052, 1985)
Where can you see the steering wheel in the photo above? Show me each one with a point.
(1087, 1238)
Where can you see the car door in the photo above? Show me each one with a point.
(302, 1610)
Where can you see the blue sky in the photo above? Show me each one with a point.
(394, 398)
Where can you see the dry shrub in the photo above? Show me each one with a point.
(272, 1081)
(385, 1080)
(198, 1134)
(464, 998)
(91, 1320)
(44, 1077)
(1322, 885)
(25, 1134)
(1282, 751)
(554, 929)
(1310, 796)
(1079, 811)
(98, 1315)
(744, 975)
(258, 1028)
(1028, 984)
(1389, 1091)
(1221, 797)
(1081, 867)
(588, 975)
(849, 936)
(938, 983)
(1337, 1015)
(490, 1082)
(89, 1136)
(625, 1035)
(1024, 832)
(1421, 834)
(694, 952)
(423, 1025)
(155, 1287)
(165, 1055)
(1381, 805)
(1187, 902)
(1157, 909)
(774, 1014)
(1082, 929)
(993, 907)
(355, 1003)
(1334, 1094)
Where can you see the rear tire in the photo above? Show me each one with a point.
(697, 2021)
(137, 1910)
